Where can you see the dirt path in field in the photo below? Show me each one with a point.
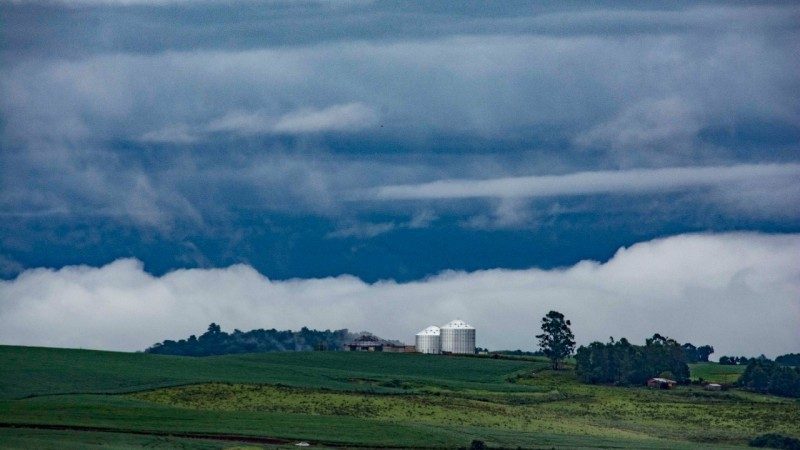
(214, 437)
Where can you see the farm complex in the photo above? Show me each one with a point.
(456, 337)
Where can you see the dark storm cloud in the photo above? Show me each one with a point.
(176, 118)
(642, 101)
(151, 26)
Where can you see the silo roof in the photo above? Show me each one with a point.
(458, 324)
(430, 331)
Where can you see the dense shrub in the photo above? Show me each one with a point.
(217, 342)
(477, 445)
(763, 375)
(623, 363)
(773, 440)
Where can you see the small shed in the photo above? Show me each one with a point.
(713, 387)
(661, 383)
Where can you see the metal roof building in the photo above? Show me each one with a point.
(368, 342)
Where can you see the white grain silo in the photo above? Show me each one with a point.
(458, 337)
(429, 341)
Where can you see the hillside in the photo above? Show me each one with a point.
(33, 371)
(332, 399)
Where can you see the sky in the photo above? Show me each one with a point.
(391, 165)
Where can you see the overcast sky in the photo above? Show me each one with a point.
(388, 149)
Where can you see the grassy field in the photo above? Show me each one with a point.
(58, 371)
(346, 399)
(716, 373)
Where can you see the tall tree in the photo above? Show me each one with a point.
(703, 352)
(556, 341)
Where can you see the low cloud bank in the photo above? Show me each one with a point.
(739, 292)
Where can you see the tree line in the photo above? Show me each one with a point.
(217, 342)
(622, 363)
(619, 362)
(763, 375)
(734, 360)
(789, 359)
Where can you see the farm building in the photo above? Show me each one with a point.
(370, 343)
(713, 387)
(661, 383)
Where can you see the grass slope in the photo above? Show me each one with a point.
(31, 371)
(124, 414)
(557, 405)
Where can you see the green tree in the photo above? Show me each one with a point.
(556, 341)
(756, 377)
(785, 381)
(703, 352)
(764, 375)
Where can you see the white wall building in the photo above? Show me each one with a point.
(458, 337)
(429, 340)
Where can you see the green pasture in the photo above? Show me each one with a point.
(125, 414)
(716, 373)
(556, 404)
(361, 399)
(59, 371)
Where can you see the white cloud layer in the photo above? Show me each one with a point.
(584, 183)
(738, 292)
(344, 117)
(647, 126)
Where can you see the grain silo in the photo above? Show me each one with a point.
(429, 340)
(458, 337)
